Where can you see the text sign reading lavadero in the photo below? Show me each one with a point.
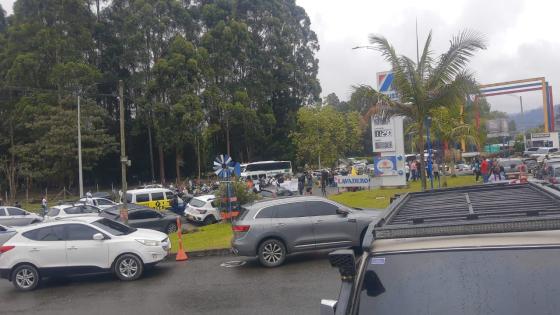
(352, 181)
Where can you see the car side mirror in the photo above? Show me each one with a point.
(342, 212)
(328, 307)
(98, 236)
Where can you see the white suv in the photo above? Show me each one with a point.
(71, 210)
(202, 209)
(79, 246)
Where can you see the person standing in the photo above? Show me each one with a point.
(496, 171)
(44, 205)
(502, 172)
(301, 183)
(89, 198)
(309, 189)
(476, 169)
(407, 170)
(435, 170)
(484, 169)
(324, 179)
(413, 170)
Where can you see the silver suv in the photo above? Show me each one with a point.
(272, 229)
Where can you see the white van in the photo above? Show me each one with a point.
(157, 198)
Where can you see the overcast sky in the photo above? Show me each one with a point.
(522, 39)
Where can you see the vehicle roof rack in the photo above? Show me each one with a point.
(480, 209)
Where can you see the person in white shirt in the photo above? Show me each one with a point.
(44, 205)
(89, 198)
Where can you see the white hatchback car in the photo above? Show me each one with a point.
(101, 203)
(82, 245)
(70, 210)
(202, 209)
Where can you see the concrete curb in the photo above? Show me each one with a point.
(204, 253)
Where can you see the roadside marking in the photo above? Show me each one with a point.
(233, 263)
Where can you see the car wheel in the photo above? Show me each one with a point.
(171, 228)
(272, 253)
(25, 277)
(209, 220)
(128, 267)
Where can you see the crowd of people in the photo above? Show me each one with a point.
(492, 170)
(413, 170)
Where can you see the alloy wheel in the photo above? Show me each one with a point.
(272, 253)
(25, 278)
(128, 267)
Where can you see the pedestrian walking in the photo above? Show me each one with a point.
(44, 205)
(484, 170)
(309, 184)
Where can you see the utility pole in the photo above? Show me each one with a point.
(522, 126)
(124, 158)
(80, 173)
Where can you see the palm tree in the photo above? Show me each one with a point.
(448, 127)
(428, 83)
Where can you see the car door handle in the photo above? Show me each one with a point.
(280, 224)
(72, 248)
(351, 220)
(34, 250)
(319, 221)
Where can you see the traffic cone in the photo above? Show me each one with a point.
(181, 255)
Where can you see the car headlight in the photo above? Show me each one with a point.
(148, 242)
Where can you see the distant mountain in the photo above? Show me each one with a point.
(532, 118)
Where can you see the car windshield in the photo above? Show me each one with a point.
(462, 282)
(113, 227)
(197, 203)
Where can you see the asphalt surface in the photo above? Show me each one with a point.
(197, 286)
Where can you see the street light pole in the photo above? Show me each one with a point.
(124, 158)
(80, 173)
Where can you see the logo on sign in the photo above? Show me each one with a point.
(385, 84)
(385, 165)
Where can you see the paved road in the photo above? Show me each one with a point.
(198, 286)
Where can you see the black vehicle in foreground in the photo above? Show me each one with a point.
(491, 249)
(144, 217)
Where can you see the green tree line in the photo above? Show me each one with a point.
(201, 78)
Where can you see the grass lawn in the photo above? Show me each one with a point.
(215, 236)
(380, 197)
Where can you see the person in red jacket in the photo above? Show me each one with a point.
(484, 170)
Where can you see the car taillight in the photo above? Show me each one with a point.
(240, 228)
(4, 249)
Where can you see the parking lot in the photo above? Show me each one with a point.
(198, 286)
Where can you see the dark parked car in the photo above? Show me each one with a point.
(145, 217)
(272, 229)
(476, 250)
